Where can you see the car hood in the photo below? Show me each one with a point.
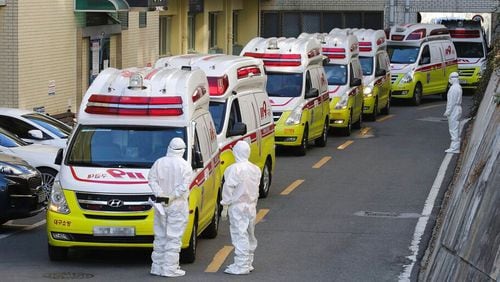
(37, 155)
(401, 68)
(337, 90)
(282, 104)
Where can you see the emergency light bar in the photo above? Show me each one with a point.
(134, 106)
(218, 85)
(463, 33)
(277, 60)
(249, 71)
(397, 37)
(417, 34)
(334, 53)
(365, 46)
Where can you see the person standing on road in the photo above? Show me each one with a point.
(239, 199)
(454, 112)
(169, 178)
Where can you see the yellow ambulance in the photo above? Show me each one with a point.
(422, 58)
(297, 89)
(126, 121)
(239, 105)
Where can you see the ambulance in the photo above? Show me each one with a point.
(239, 105)
(126, 121)
(297, 89)
(344, 76)
(470, 42)
(422, 58)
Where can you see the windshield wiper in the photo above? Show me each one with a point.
(131, 165)
(85, 164)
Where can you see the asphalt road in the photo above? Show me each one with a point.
(346, 212)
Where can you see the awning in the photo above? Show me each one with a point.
(101, 6)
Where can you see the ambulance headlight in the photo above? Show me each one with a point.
(367, 91)
(58, 202)
(482, 68)
(295, 116)
(342, 103)
(408, 77)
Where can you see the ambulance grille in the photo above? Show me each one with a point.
(466, 72)
(114, 203)
(394, 77)
(277, 116)
(140, 239)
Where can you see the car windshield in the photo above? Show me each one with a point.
(469, 49)
(284, 84)
(218, 111)
(402, 54)
(58, 128)
(114, 146)
(10, 140)
(366, 65)
(336, 74)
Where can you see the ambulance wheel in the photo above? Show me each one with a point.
(321, 142)
(347, 131)
(357, 124)
(213, 228)
(417, 94)
(387, 109)
(265, 180)
(57, 253)
(373, 115)
(302, 148)
(188, 255)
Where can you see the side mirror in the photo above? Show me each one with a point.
(197, 159)
(239, 128)
(312, 93)
(355, 82)
(380, 72)
(36, 134)
(59, 157)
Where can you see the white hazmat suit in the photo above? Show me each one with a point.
(454, 112)
(170, 177)
(239, 198)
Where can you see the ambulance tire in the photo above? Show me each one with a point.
(321, 141)
(387, 109)
(188, 255)
(265, 180)
(373, 115)
(302, 148)
(347, 131)
(357, 124)
(213, 228)
(57, 253)
(417, 94)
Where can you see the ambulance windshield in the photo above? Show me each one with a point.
(402, 54)
(336, 74)
(119, 146)
(469, 49)
(366, 65)
(284, 84)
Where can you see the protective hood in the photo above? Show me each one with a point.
(241, 151)
(176, 148)
(453, 78)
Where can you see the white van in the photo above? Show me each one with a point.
(422, 59)
(126, 121)
(297, 89)
(239, 105)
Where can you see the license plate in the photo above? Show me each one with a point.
(114, 231)
(463, 81)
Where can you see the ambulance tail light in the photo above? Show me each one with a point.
(313, 53)
(417, 34)
(134, 106)
(218, 85)
(277, 60)
(397, 37)
(365, 46)
(198, 93)
(249, 71)
(463, 33)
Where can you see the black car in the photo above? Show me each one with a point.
(21, 193)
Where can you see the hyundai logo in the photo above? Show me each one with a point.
(115, 203)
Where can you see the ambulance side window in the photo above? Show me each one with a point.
(436, 55)
(196, 148)
(203, 139)
(308, 81)
(425, 58)
(234, 114)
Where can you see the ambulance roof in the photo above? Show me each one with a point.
(146, 96)
(416, 34)
(370, 41)
(284, 54)
(226, 73)
(464, 30)
(340, 48)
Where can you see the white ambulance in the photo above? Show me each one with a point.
(297, 88)
(126, 121)
(472, 49)
(239, 105)
(422, 59)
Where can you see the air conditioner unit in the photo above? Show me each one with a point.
(3, 3)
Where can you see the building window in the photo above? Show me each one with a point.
(143, 19)
(270, 24)
(191, 32)
(123, 18)
(165, 26)
(235, 27)
(212, 30)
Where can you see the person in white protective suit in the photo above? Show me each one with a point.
(239, 199)
(169, 178)
(454, 112)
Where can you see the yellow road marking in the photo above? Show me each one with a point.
(385, 118)
(219, 259)
(365, 130)
(260, 215)
(430, 106)
(343, 146)
(292, 187)
(321, 162)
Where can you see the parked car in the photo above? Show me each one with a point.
(42, 157)
(21, 192)
(35, 127)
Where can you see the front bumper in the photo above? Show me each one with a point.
(287, 135)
